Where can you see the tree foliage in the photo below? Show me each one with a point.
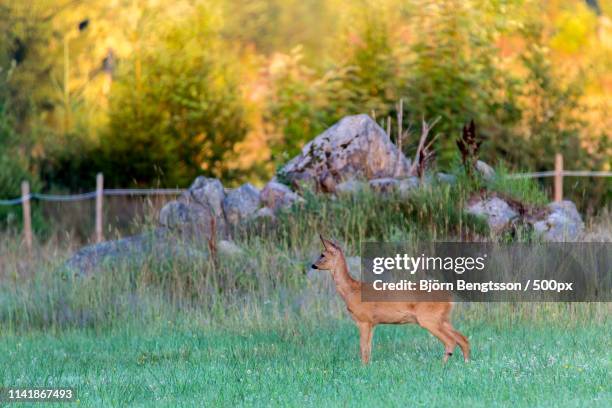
(150, 91)
(176, 109)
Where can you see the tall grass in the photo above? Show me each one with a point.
(269, 280)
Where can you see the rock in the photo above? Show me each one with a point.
(485, 170)
(276, 196)
(264, 213)
(563, 223)
(157, 246)
(228, 248)
(354, 266)
(240, 203)
(446, 178)
(497, 212)
(193, 212)
(354, 148)
(206, 191)
(408, 185)
(597, 233)
(384, 185)
(189, 219)
(351, 187)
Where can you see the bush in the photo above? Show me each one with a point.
(366, 77)
(13, 169)
(176, 109)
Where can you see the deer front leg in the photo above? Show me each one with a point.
(366, 331)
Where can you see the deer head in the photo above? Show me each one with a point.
(329, 257)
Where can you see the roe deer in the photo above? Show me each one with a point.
(433, 316)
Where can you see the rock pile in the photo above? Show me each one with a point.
(352, 155)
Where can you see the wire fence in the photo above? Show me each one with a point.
(566, 173)
(92, 194)
(123, 210)
(177, 191)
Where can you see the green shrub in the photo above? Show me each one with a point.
(13, 169)
(176, 109)
(365, 77)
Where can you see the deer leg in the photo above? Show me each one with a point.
(437, 329)
(464, 343)
(366, 331)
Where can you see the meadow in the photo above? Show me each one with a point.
(261, 329)
(152, 94)
(315, 363)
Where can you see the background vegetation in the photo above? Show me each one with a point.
(260, 328)
(155, 93)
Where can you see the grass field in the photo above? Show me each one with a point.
(317, 364)
(258, 329)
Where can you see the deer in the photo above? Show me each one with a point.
(432, 316)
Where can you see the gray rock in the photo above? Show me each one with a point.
(193, 212)
(155, 247)
(350, 187)
(264, 213)
(408, 185)
(239, 204)
(384, 185)
(497, 212)
(354, 266)
(228, 248)
(276, 196)
(487, 172)
(563, 223)
(206, 191)
(354, 148)
(446, 178)
(188, 218)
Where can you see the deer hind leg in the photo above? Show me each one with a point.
(464, 343)
(436, 328)
(366, 331)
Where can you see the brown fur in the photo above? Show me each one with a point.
(432, 316)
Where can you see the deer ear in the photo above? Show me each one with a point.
(324, 241)
(335, 246)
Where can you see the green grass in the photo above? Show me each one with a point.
(257, 329)
(317, 364)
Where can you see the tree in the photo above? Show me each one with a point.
(176, 109)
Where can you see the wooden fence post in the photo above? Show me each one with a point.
(558, 187)
(99, 201)
(27, 214)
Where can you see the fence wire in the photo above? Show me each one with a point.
(177, 191)
(92, 194)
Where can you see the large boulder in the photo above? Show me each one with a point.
(154, 247)
(354, 148)
(239, 204)
(497, 212)
(562, 223)
(197, 211)
(275, 196)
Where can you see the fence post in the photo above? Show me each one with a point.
(27, 214)
(99, 201)
(558, 187)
